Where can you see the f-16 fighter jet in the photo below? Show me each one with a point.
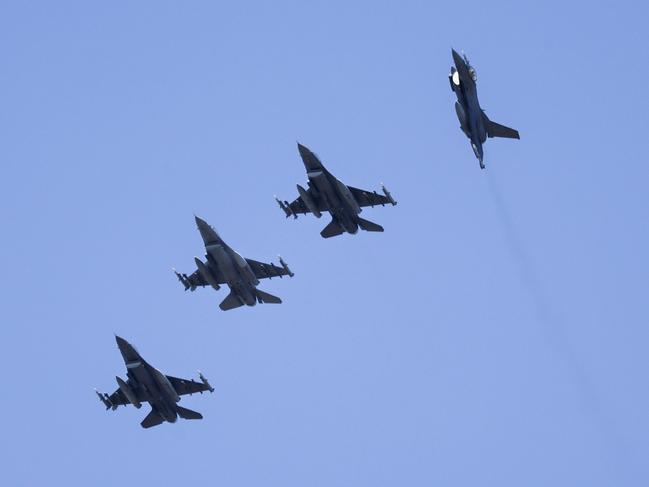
(145, 383)
(473, 120)
(326, 193)
(224, 266)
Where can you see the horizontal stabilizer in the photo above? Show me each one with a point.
(152, 419)
(332, 229)
(264, 297)
(496, 130)
(188, 413)
(231, 302)
(369, 226)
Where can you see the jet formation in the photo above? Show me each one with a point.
(473, 120)
(145, 383)
(326, 193)
(223, 265)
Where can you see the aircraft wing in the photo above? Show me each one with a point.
(370, 198)
(298, 206)
(263, 270)
(196, 279)
(185, 386)
(118, 398)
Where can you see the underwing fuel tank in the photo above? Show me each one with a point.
(308, 201)
(206, 274)
(128, 392)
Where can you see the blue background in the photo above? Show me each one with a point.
(495, 334)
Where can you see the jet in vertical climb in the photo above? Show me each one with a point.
(327, 194)
(473, 120)
(225, 266)
(145, 383)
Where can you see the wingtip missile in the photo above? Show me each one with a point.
(184, 280)
(105, 399)
(286, 207)
(285, 266)
(388, 195)
(205, 381)
(283, 206)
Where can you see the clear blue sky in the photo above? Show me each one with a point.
(496, 334)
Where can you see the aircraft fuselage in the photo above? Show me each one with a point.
(339, 199)
(235, 270)
(469, 111)
(161, 394)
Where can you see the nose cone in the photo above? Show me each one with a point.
(207, 232)
(200, 222)
(310, 160)
(305, 153)
(121, 343)
(128, 351)
(457, 59)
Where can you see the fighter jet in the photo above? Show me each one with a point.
(473, 120)
(224, 266)
(326, 193)
(145, 383)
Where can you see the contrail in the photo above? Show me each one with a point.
(552, 329)
(524, 266)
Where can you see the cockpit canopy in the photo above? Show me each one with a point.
(473, 74)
